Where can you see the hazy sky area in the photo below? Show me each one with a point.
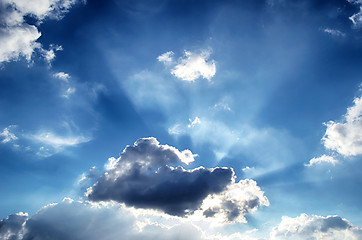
(180, 119)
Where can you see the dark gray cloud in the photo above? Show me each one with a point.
(147, 175)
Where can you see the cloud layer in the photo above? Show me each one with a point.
(83, 220)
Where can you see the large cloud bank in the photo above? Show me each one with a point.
(148, 175)
(70, 220)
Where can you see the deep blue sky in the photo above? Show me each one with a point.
(270, 75)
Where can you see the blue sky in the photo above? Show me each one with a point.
(147, 119)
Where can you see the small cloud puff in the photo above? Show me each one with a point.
(314, 227)
(62, 76)
(194, 122)
(192, 66)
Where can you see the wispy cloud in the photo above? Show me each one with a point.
(44, 143)
(334, 32)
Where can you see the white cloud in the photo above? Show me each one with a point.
(334, 32)
(315, 227)
(345, 137)
(7, 135)
(191, 66)
(322, 159)
(166, 58)
(18, 38)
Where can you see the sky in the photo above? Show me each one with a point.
(180, 119)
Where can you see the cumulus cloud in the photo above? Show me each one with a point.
(19, 38)
(191, 66)
(345, 137)
(322, 159)
(315, 227)
(148, 175)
